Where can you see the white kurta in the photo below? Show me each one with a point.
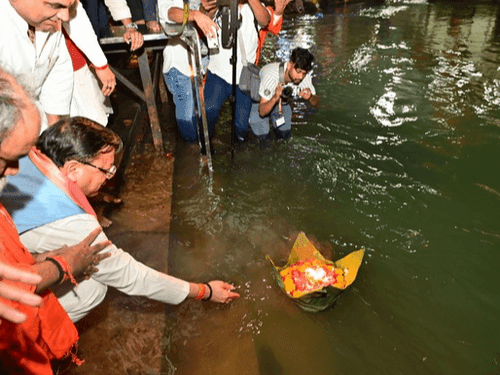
(87, 99)
(120, 270)
(83, 35)
(44, 66)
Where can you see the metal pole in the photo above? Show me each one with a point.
(197, 81)
(234, 59)
(150, 100)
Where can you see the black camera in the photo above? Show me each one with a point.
(287, 93)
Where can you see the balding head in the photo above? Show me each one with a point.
(19, 123)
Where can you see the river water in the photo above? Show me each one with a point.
(401, 160)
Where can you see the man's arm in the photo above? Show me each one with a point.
(132, 36)
(279, 7)
(77, 257)
(82, 34)
(314, 100)
(203, 21)
(120, 270)
(208, 7)
(266, 106)
(121, 12)
(260, 12)
(307, 95)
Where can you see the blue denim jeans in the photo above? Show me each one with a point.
(216, 93)
(149, 8)
(99, 16)
(260, 125)
(181, 89)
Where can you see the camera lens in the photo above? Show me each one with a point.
(286, 93)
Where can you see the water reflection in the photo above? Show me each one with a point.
(397, 160)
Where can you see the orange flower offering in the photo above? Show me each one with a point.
(312, 281)
(309, 275)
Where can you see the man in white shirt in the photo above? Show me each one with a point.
(280, 83)
(32, 46)
(48, 203)
(218, 86)
(176, 67)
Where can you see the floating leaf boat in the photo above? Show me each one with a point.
(324, 297)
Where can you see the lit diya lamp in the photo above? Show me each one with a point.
(313, 282)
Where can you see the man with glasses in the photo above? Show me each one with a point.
(40, 330)
(48, 203)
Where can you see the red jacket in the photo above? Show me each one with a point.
(48, 333)
(273, 28)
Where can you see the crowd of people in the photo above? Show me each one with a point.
(256, 20)
(56, 151)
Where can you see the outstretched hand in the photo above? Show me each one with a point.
(83, 255)
(14, 294)
(91, 268)
(222, 292)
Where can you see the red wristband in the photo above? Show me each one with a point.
(65, 266)
(100, 67)
(201, 291)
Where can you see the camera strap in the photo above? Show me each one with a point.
(281, 74)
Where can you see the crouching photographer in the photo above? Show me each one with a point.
(280, 84)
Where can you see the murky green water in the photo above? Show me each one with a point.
(401, 159)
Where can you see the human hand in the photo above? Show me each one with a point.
(14, 294)
(279, 90)
(108, 80)
(222, 292)
(134, 38)
(208, 5)
(306, 94)
(206, 25)
(91, 268)
(83, 255)
(280, 5)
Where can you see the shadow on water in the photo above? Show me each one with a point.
(399, 160)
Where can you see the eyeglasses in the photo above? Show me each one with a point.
(108, 172)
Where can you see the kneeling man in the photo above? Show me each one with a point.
(280, 82)
(48, 202)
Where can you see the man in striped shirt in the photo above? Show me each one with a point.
(280, 82)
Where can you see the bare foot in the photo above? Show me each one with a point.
(104, 221)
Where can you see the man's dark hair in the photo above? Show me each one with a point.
(302, 59)
(77, 138)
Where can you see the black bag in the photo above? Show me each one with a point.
(250, 81)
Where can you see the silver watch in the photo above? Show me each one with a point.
(130, 25)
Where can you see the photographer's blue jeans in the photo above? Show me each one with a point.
(260, 125)
(216, 93)
(180, 87)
